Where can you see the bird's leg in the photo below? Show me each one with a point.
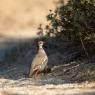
(46, 70)
(44, 73)
(36, 73)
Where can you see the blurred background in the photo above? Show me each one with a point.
(20, 18)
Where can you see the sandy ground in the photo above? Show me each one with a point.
(28, 87)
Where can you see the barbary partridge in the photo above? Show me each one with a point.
(39, 62)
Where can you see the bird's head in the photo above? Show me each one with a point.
(40, 44)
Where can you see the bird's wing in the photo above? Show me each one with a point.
(39, 60)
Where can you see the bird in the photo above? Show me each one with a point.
(39, 63)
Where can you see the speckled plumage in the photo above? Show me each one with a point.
(39, 62)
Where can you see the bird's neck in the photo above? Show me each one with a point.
(41, 49)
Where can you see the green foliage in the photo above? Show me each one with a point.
(74, 20)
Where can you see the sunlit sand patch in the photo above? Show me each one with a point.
(49, 89)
